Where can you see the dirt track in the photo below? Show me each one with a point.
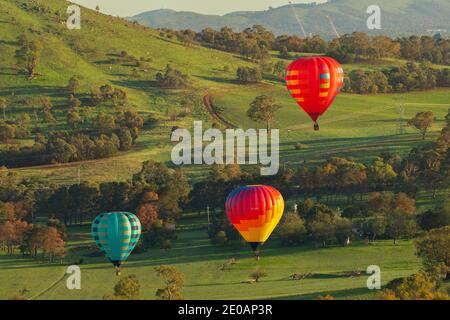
(209, 106)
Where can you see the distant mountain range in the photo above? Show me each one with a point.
(398, 18)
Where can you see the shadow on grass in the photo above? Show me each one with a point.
(337, 294)
(135, 84)
(52, 91)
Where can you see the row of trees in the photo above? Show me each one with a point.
(255, 42)
(155, 192)
(397, 79)
(109, 135)
(32, 239)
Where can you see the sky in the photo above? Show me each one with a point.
(132, 7)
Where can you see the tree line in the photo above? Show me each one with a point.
(255, 43)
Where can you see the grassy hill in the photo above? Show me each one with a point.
(88, 53)
(399, 17)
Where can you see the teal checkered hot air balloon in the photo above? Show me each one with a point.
(116, 234)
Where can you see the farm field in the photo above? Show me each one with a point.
(193, 254)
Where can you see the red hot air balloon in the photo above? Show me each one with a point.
(255, 212)
(314, 82)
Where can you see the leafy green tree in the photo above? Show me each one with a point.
(249, 75)
(292, 230)
(258, 274)
(74, 119)
(263, 109)
(420, 286)
(434, 247)
(173, 283)
(172, 78)
(127, 288)
(28, 56)
(105, 122)
(74, 85)
(3, 106)
(435, 218)
(400, 225)
(423, 121)
(170, 185)
(7, 132)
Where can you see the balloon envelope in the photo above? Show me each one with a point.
(255, 211)
(116, 234)
(314, 82)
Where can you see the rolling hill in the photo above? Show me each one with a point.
(89, 52)
(399, 18)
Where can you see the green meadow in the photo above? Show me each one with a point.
(330, 270)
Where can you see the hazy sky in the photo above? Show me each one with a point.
(132, 7)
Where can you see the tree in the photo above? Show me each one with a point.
(52, 243)
(423, 121)
(7, 132)
(105, 122)
(263, 109)
(173, 280)
(28, 56)
(12, 233)
(280, 69)
(284, 53)
(128, 288)
(292, 230)
(73, 119)
(436, 218)
(322, 228)
(46, 106)
(171, 186)
(3, 105)
(377, 226)
(434, 247)
(249, 75)
(400, 224)
(74, 85)
(172, 78)
(381, 173)
(257, 275)
(420, 286)
(147, 214)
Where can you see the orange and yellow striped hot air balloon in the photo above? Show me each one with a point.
(255, 211)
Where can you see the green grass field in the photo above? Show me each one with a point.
(193, 254)
(358, 126)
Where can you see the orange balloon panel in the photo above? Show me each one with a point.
(314, 82)
(255, 211)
